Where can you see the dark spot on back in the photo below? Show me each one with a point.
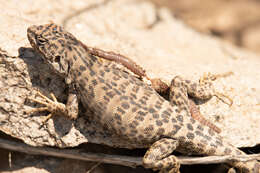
(101, 80)
(134, 109)
(190, 136)
(116, 78)
(155, 116)
(198, 133)
(166, 113)
(148, 129)
(213, 145)
(139, 117)
(192, 120)
(123, 97)
(125, 75)
(180, 118)
(111, 94)
(92, 73)
(207, 137)
(177, 96)
(69, 47)
(94, 82)
(102, 73)
(106, 98)
(93, 58)
(117, 92)
(175, 129)
(160, 131)
(165, 120)
(125, 105)
(219, 142)
(158, 107)
(158, 123)
(117, 117)
(105, 88)
(174, 120)
(189, 126)
(113, 83)
(133, 95)
(141, 113)
(151, 110)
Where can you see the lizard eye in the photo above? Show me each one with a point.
(40, 40)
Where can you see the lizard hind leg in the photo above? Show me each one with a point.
(178, 95)
(158, 156)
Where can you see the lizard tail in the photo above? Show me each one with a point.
(218, 146)
(242, 167)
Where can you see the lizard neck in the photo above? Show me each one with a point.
(82, 65)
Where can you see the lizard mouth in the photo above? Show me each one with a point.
(35, 39)
(31, 36)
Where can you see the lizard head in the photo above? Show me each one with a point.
(55, 45)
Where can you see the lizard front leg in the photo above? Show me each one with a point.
(69, 110)
(204, 89)
(158, 156)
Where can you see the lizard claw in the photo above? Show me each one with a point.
(53, 106)
(220, 96)
(208, 77)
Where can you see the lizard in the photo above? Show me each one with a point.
(126, 106)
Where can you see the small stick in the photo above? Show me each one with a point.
(129, 161)
(195, 113)
(125, 61)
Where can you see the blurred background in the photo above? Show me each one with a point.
(236, 21)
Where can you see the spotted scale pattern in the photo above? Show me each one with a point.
(128, 107)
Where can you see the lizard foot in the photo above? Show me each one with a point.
(53, 106)
(208, 77)
(158, 156)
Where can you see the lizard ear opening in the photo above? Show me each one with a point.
(68, 70)
(57, 59)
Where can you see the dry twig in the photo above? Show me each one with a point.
(114, 159)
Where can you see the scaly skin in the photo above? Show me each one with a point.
(127, 106)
